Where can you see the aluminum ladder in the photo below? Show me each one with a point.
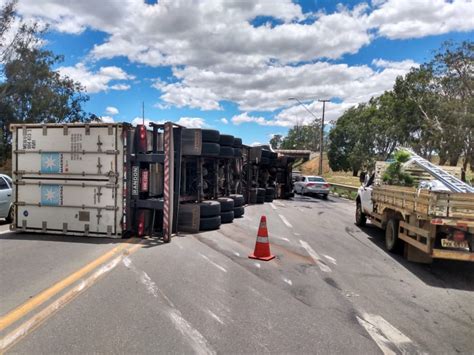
(450, 181)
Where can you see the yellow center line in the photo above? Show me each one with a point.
(45, 295)
(37, 319)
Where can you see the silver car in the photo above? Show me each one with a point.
(312, 185)
(6, 198)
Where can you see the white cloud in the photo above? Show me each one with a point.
(96, 81)
(112, 110)
(107, 119)
(245, 118)
(224, 120)
(191, 122)
(398, 19)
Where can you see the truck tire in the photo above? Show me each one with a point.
(264, 161)
(266, 153)
(9, 218)
(268, 198)
(210, 149)
(392, 242)
(253, 197)
(270, 191)
(209, 223)
(237, 152)
(210, 208)
(226, 152)
(227, 204)
(238, 200)
(237, 142)
(227, 217)
(239, 211)
(261, 192)
(260, 199)
(210, 135)
(227, 140)
(360, 217)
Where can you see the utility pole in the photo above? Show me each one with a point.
(321, 139)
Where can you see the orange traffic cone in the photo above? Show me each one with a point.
(262, 246)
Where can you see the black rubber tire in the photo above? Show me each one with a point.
(227, 140)
(238, 200)
(270, 191)
(266, 153)
(237, 142)
(227, 204)
(9, 218)
(360, 217)
(227, 217)
(209, 223)
(237, 152)
(210, 149)
(253, 198)
(392, 243)
(239, 211)
(226, 152)
(325, 196)
(261, 192)
(273, 156)
(210, 208)
(210, 135)
(268, 198)
(264, 161)
(260, 199)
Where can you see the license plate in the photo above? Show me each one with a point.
(448, 243)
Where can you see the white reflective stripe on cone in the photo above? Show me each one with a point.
(262, 240)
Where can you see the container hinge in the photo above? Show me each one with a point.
(20, 203)
(111, 208)
(111, 130)
(20, 151)
(99, 144)
(86, 229)
(18, 182)
(109, 231)
(99, 166)
(23, 225)
(112, 152)
(99, 193)
(64, 227)
(65, 130)
(87, 129)
(99, 216)
(45, 130)
(44, 226)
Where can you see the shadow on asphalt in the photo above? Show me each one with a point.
(449, 274)
(313, 199)
(3, 222)
(148, 242)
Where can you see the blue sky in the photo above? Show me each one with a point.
(233, 65)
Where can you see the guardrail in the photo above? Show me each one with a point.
(342, 190)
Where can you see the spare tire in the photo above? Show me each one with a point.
(226, 152)
(266, 153)
(210, 135)
(238, 200)
(227, 217)
(210, 208)
(253, 196)
(268, 198)
(260, 199)
(261, 192)
(227, 140)
(227, 204)
(264, 161)
(237, 142)
(209, 223)
(210, 149)
(270, 191)
(239, 211)
(237, 152)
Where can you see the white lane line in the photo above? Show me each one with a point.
(259, 294)
(331, 259)
(213, 263)
(215, 316)
(315, 257)
(194, 337)
(283, 238)
(281, 204)
(297, 234)
(288, 224)
(257, 265)
(300, 209)
(236, 253)
(34, 321)
(288, 281)
(273, 206)
(388, 338)
(180, 246)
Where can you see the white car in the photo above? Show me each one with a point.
(6, 198)
(312, 185)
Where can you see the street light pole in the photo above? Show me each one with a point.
(321, 139)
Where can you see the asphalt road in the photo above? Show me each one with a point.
(331, 289)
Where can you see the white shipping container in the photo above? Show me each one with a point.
(69, 178)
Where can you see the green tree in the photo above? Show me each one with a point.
(276, 141)
(303, 137)
(31, 91)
